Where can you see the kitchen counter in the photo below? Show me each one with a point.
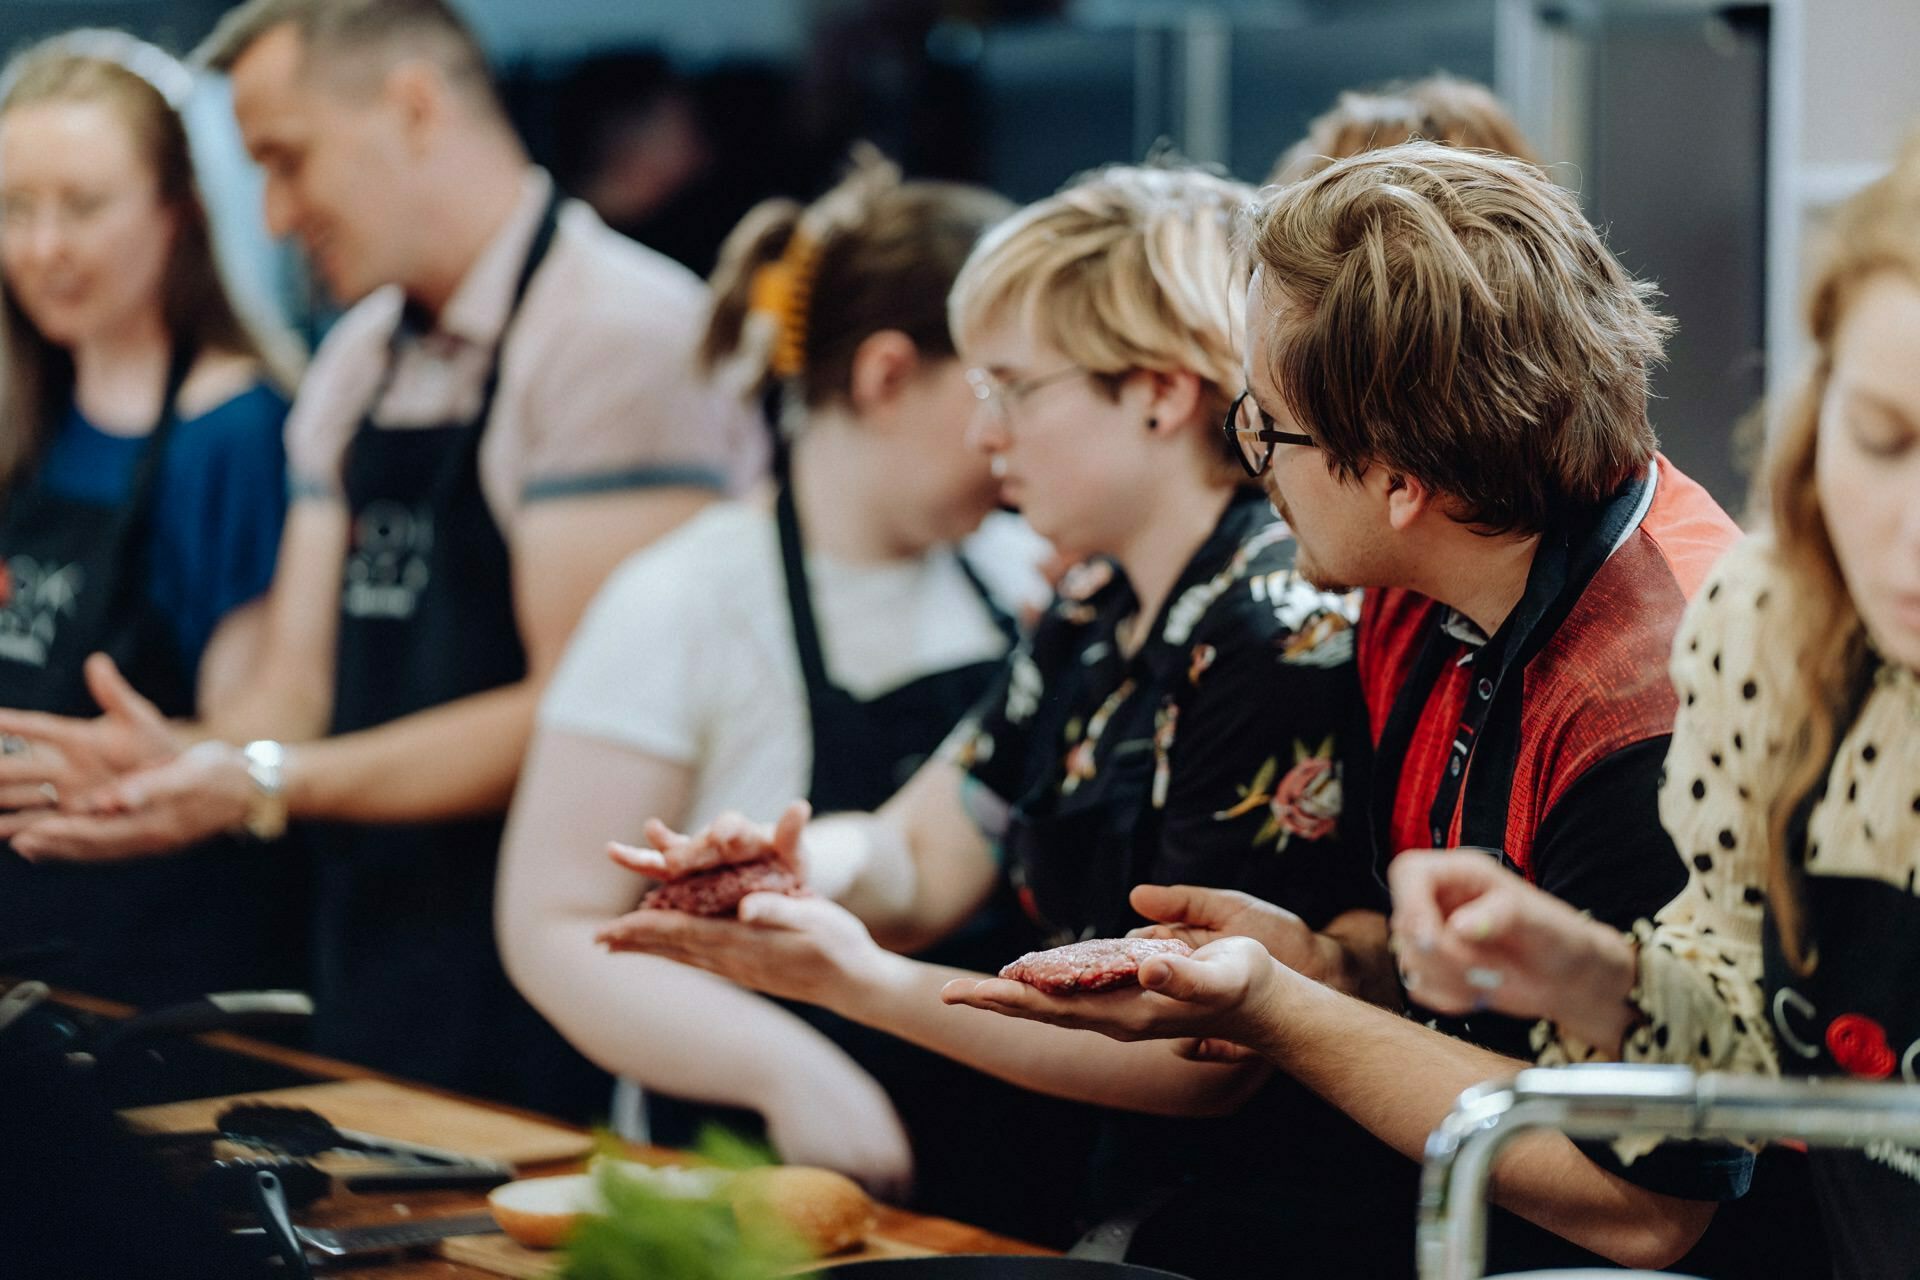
(342, 1208)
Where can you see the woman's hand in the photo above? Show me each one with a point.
(65, 761)
(806, 949)
(1471, 935)
(203, 792)
(729, 838)
(1219, 993)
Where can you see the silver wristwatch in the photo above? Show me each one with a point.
(267, 807)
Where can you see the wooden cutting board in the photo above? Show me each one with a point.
(505, 1257)
(390, 1110)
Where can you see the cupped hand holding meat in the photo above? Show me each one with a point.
(1221, 992)
(796, 948)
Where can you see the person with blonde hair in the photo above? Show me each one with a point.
(820, 638)
(1792, 780)
(1177, 716)
(1453, 371)
(1435, 108)
(142, 489)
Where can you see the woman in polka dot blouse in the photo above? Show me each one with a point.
(1792, 783)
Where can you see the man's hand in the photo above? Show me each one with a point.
(1472, 935)
(1199, 916)
(66, 761)
(729, 838)
(806, 949)
(1220, 992)
(200, 793)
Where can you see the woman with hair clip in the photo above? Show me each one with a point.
(1176, 717)
(142, 488)
(1792, 782)
(822, 640)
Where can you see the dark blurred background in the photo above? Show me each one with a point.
(1704, 137)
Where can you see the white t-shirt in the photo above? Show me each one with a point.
(688, 652)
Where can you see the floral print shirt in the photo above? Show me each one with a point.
(1211, 756)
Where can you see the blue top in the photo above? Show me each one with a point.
(217, 516)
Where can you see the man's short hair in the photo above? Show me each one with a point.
(359, 41)
(1452, 316)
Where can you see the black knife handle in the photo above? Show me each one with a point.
(423, 1177)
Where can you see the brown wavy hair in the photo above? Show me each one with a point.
(1436, 108)
(1876, 231)
(1452, 315)
(882, 254)
(36, 375)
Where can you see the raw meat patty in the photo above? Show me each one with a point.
(717, 892)
(1098, 965)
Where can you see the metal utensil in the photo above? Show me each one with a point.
(301, 1131)
(355, 1242)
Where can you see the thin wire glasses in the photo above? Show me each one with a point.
(1000, 397)
(1254, 437)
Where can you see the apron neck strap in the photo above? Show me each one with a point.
(147, 471)
(793, 560)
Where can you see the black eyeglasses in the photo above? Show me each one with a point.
(1253, 436)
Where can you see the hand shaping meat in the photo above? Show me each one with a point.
(708, 872)
(718, 891)
(1098, 965)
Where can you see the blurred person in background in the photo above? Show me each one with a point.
(1436, 108)
(1177, 716)
(1792, 780)
(820, 640)
(509, 410)
(676, 160)
(142, 492)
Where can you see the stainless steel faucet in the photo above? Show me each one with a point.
(1610, 1100)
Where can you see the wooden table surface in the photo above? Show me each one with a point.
(348, 1209)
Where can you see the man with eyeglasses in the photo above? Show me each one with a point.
(1447, 398)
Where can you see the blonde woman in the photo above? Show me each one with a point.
(1792, 782)
(142, 490)
(1176, 718)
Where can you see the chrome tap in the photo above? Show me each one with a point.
(1612, 1100)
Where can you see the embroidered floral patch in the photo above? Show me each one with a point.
(1304, 802)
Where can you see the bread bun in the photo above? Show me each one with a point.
(826, 1210)
(540, 1212)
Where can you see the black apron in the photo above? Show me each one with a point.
(153, 930)
(973, 1136)
(407, 977)
(1857, 1014)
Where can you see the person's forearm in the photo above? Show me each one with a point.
(672, 1028)
(902, 996)
(861, 860)
(1594, 1007)
(1399, 1079)
(458, 760)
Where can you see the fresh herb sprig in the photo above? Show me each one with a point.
(650, 1234)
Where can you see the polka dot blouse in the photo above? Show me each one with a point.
(1700, 959)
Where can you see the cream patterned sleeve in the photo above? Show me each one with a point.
(1700, 960)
